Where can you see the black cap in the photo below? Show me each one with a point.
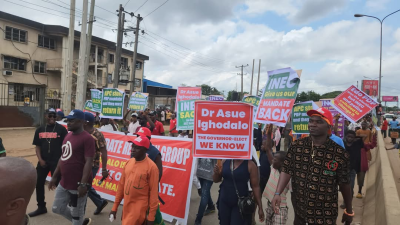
(152, 113)
(51, 110)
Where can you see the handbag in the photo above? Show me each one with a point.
(246, 204)
(394, 134)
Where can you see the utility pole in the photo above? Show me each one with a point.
(89, 41)
(133, 74)
(252, 74)
(82, 77)
(241, 74)
(66, 85)
(258, 80)
(120, 35)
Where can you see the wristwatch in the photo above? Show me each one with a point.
(277, 193)
(83, 184)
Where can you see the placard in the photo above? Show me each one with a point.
(327, 104)
(89, 107)
(216, 98)
(185, 97)
(96, 99)
(255, 101)
(300, 118)
(137, 101)
(223, 130)
(112, 103)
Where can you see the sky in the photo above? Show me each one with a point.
(195, 42)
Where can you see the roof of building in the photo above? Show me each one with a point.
(61, 30)
(156, 84)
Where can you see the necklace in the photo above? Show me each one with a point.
(49, 140)
(312, 150)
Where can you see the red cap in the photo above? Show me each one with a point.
(144, 131)
(324, 113)
(141, 141)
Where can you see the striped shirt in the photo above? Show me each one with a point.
(270, 189)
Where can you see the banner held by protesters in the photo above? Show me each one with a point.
(112, 103)
(137, 101)
(185, 98)
(300, 117)
(89, 107)
(96, 99)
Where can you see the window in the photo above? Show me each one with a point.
(138, 82)
(109, 78)
(40, 67)
(46, 42)
(124, 63)
(111, 58)
(18, 92)
(14, 63)
(138, 65)
(15, 34)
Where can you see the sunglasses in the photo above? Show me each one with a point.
(52, 116)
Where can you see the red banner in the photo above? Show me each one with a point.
(353, 103)
(390, 98)
(176, 182)
(370, 87)
(223, 130)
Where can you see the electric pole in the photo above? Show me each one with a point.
(66, 79)
(82, 77)
(241, 74)
(133, 74)
(121, 21)
(258, 80)
(251, 85)
(89, 42)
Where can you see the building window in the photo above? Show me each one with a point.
(111, 58)
(124, 63)
(138, 82)
(15, 34)
(109, 78)
(46, 42)
(138, 65)
(40, 67)
(18, 92)
(14, 63)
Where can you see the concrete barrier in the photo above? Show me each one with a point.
(381, 202)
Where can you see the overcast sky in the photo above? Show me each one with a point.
(201, 41)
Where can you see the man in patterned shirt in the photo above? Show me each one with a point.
(317, 165)
(101, 148)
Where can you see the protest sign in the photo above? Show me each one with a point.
(89, 107)
(112, 103)
(255, 101)
(223, 130)
(185, 97)
(176, 182)
(96, 99)
(278, 97)
(326, 103)
(137, 101)
(215, 98)
(353, 104)
(300, 117)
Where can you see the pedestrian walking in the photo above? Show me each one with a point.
(48, 141)
(75, 170)
(384, 127)
(393, 126)
(173, 132)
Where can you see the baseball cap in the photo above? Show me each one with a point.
(89, 117)
(134, 114)
(51, 110)
(324, 113)
(144, 131)
(152, 113)
(141, 141)
(61, 114)
(76, 114)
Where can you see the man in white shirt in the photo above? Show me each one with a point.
(106, 125)
(134, 124)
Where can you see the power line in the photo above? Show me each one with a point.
(141, 5)
(126, 3)
(155, 9)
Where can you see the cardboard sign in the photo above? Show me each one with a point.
(353, 104)
(300, 118)
(112, 103)
(176, 182)
(278, 97)
(327, 104)
(223, 130)
(185, 97)
(89, 107)
(255, 101)
(216, 98)
(137, 101)
(96, 99)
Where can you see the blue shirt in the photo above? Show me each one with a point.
(337, 140)
(393, 124)
(153, 152)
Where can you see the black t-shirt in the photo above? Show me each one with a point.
(54, 135)
(355, 154)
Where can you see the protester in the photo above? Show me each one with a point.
(384, 127)
(277, 138)
(318, 166)
(168, 116)
(60, 116)
(286, 131)
(278, 146)
(74, 168)
(18, 181)
(138, 187)
(173, 132)
(158, 126)
(276, 169)
(205, 170)
(257, 137)
(101, 149)
(163, 117)
(266, 158)
(393, 126)
(354, 126)
(2, 149)
(196, 181)
(366, 136)
(183, 134)
(134, 123)
(106, 124)
(48, 141)
(235, 175)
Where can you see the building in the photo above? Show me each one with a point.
(160, 95)
(33, 56)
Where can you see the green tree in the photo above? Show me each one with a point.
(208, 90)
(332, 94)
(308, 96)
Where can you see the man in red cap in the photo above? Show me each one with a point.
(318, 166)
(138, 187)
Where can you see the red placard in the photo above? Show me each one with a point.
(223, 130)
(353, 103)
(370, 87)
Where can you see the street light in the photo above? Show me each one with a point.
(380, 61)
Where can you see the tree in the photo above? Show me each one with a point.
(332, 94)
(208, 90)
(308, 96)
(183, 85)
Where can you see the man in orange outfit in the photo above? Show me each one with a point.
(138, 187)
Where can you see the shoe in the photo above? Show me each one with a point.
(209, 211)
(197, 223)
(199, 191)
(99, 209)
(343, 206)
(39, 211)
(87, 221)
(359, 195)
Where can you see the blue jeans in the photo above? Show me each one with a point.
(96, 199)
(205, 198)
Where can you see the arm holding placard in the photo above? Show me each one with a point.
(267, 145)
(217, 176)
